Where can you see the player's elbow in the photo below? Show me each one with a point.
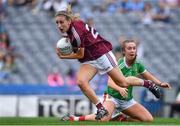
(80, 56)
(80, 53)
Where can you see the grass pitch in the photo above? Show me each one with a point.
(17, 121)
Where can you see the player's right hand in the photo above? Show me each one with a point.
(58, 53)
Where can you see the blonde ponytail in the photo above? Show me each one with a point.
(69, 9)
(68, 13)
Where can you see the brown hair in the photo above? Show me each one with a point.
(68, 14)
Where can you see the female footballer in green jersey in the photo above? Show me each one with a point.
(121, 99)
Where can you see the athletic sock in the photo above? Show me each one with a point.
(80, 118)
(146, 84)
(99, 105)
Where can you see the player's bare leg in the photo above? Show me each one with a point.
(110, 106)
(117, 76)
(134, 80)
(84, 75)
(138, 113)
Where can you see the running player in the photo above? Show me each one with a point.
(95, 54)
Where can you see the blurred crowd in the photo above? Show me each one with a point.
(148, 12)
(55, 78)
(7, 50)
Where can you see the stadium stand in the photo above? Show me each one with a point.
(35, 37)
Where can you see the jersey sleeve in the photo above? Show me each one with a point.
(141, 68)
(119, 61)
(78, 29)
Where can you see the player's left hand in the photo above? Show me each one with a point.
(165, 85)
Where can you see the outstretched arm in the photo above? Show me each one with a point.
(148, 76)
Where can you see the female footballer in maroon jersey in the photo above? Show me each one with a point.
(94, 52)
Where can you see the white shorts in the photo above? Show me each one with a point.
(120, 104)
(104, 64)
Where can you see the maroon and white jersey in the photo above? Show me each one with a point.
(81, 35)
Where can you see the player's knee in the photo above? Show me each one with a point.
(149, 119)
(120, 83)
(81, 82)
(105, 119)
(125, 84)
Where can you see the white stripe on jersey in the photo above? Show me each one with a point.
(76, 35)
(122, 65)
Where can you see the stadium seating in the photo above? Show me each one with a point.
(35, 37)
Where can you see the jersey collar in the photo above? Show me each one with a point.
(126, 63)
